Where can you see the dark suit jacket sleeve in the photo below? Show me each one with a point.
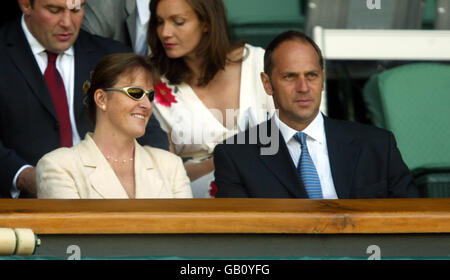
(227, 177)
(14, 90)
(401, 181)
(10, 163)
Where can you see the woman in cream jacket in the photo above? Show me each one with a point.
(109, 163)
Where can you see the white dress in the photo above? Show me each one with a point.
(195, 130)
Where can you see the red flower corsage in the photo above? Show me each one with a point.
(164, 94)
(213, 189)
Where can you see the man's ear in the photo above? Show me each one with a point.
(267, 84)
(324, 79)
(25, 6)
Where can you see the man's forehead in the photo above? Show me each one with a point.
(70, 4)
(294, 45)
(294, 51)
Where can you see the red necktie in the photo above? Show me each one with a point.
(57, 91)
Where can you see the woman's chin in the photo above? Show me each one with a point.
(139, 134)
(136, 133)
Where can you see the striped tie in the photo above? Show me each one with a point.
(307, 170)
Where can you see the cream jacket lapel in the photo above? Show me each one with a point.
(98, 171)
(147, 177)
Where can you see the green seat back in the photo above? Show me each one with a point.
(259, 21)
(413, 101)
(429, 14)
(263, 11)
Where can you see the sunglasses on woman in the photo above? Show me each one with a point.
(135, 93)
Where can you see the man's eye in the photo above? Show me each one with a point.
(54, 10)
(312, 75)
(288, 76)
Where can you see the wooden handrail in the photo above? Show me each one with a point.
(192, 216)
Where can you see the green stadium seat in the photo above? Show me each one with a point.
(413, 101)
(259, 21)
(429, 14)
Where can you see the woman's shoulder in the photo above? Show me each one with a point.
(254, 51)
(241, 52)
(67, 156)
(254, 48)
(60, 153)
(62, 157)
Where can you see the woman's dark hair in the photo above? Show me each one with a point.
(288, 36)
(107, 73)
(213, 47)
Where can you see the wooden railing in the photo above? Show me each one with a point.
(261, 216)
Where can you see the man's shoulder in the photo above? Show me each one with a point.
(355, 129)
(252, 138)
(7, 29)
(252, 131)
(3, 31)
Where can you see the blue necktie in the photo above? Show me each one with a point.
(307, 170)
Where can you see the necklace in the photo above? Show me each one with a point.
(115, 160)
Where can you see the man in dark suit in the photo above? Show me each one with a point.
(30, 122)
(300, 153)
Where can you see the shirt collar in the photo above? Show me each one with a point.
(35, 46)
(143, 10)
(315, 129)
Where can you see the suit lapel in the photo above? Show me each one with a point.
(83, 60)
(101, 176)
(22, 56)
(147, 178)
(280, 162)
(343, 153)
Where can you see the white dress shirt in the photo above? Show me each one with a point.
(317, 147)
(143, 16)
(65, 64)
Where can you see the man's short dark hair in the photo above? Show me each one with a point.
(283, 37)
